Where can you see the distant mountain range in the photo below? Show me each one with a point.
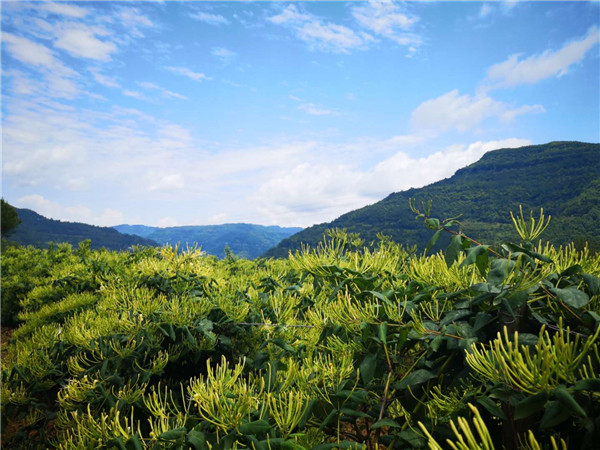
(561, 177)
(245, 240)
(38, 231)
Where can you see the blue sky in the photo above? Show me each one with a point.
(289, 113)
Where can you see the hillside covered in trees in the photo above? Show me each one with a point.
(561, 177)
(38, 231)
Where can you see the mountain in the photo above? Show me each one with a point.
(245, 240)
(561, 177)
(38, 230)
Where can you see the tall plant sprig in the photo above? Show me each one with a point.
(529, 230)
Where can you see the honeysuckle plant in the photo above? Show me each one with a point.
(338, 346)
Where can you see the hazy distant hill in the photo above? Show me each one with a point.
(244, 240)
(561, 177)
(38, 230)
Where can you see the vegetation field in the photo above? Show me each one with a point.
(337, 346)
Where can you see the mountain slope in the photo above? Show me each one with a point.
(561, 177)
(244, 240)
(38, 230)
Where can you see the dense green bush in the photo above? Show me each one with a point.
(338, 346)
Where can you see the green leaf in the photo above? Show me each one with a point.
(454, 249)
(530, 405)
(491, 406)
(432, 224)
(571, 296)
(555, 413)
(436, 342)
(173, 435)
(499, 268)
(385, 422)
(339, 445)
(588, 384)
(332, 415)
(481, 320)
(433, 240)
(197, 439)
(412, 439)
(258, 426)
(133, 443)
(565, 397)
(417, 377)
(593, 283)
(454, 315)
(355, 413)
(367, 368)
(383, 328)
(479, 256)
(284, 345)
(513, 248)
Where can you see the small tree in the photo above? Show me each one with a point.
(9, 219)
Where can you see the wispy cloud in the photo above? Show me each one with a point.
(315, 110)
(104, 80)
(64, 9)
(35, 54)
(81, 41)
(517, 70)
(320, 35)
(134, 94)
(463, 112)
(386, 19)
(164, 92)
(211, 19)
(196, 76)
(225, 55)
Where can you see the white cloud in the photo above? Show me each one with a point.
(62, 87)
(167, 222)
(134, 94)
(332, 37)
(164, 182)
(225, 55)
(509, 115)
(386, 19)
(134, 17)
(290, 14)
(64, 9)
(33, 53)
(314, 110)
(164, 92)
(77, 213)
(319, 35)
(463, 112)
(485, 10)
(516, 70)
(211, 19)
(196, 76)
(313, 192)
(103, 79)
(81, 41)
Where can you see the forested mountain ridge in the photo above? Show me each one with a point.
(561, 177)
(38, 231)
(243, 239)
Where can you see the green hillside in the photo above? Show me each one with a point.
(38, 230)
(245, 240)
(561, 177)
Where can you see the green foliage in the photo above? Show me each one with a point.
(9, 219)
(563, 178)
(338, 346)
